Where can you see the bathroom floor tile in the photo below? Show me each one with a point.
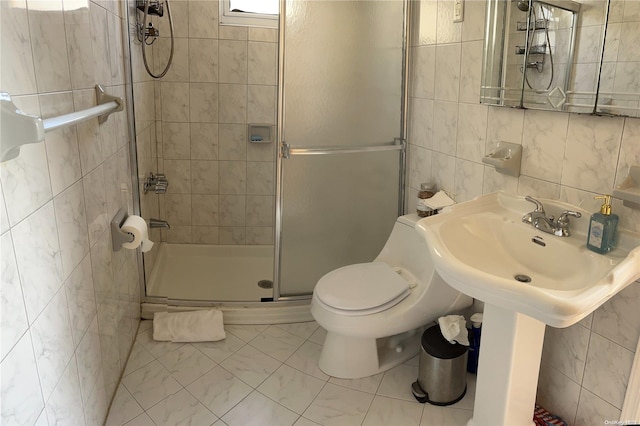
(265, 375)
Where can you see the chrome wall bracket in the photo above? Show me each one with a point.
(118, 236)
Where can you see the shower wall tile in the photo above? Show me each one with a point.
(232, 211)
(232, 139)
(233, 177)
(616, 319)
(95, 203)
(81, 299)
(100, 44)
(447, 72)
(72, 227)
(261, 104)
(260, 151)
(178, 173)
(205, 177)
(233, 61)
(175, 102)
(176, 139)
(543, 144)
(447, 30)
(203, 19)
(263, 34)
(233, 235)
(204, 210)
(470, 75)
(203, 99)
(262, 63)
(179, 70)
(445, 124)
(231, 32)
(260, 178)
(260, 210)
(233, 103)
(468, 179)
(204, 141)
(203, 60)
(178, 209)
(262, 235)
(558, 394)
(205, 235)
(472, 131)
(179, 235)
(505, 125)
(423, 71)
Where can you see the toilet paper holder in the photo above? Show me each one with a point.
(118, 236)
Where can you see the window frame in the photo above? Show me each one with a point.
(246, 19)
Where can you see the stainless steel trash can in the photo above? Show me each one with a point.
(442, 373)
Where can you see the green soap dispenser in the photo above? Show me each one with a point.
(603, 228)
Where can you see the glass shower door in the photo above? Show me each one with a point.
(340, 170)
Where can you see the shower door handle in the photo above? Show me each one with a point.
(287, 151)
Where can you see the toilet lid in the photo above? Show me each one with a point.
(362, 286)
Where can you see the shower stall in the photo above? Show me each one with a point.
(254, 222)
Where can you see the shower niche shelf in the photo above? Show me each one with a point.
(260, 133)
(506, 158)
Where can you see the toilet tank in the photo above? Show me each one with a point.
(407, 249)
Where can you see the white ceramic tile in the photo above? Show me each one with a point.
(336, 405)
(261, 104)
(232, 210)
(100, 44)
(472, 132)
(617, 319)
(233, 235)
(175, 102)
(20, 388)
(203, 102)
(221, 350)
(259, 410)
(203, 60)
(474, 21)
(543, 144)
(306, 360)
(629, 149)
(494, 181)
(447, 30)
(368, 384)
(263, 34)
(156, 348)
(566, 350)
(245, 332)
(72, 226)
(232, 32)
(318, 336)
(204, 141)
(186, 364)
(291, 388)
(142, 420)
(95, 204)
(219, 390)
(233, 103)
(176, 141)
(538, 188)
(505, 124)
(445, 123)
(385, 411)
(444, 416)
(179, 69)
(300, 329)
(81, 299)
(151, 384)
(262, 63)
(447, 80)
(89, 361)
(178, 172)
(557, 393)
(4, 217)
(443, 171)
(39, 260)
(204, 210)
(181, 409)
(607, 370)
(250, 365)
(102, 269)
(89, 138)
(96, 406)
(203, 19)
(233, 177)
(18, 75)
(471, 70)
(422, 113)
(208, 177)
(423, 79)
(63, 407)
(468, 180)
(232, 142)
(13, 316)
(593, 408)
(233, 64)
(123, 408)
(304, 422)
(592, 151)
(277, 343)
(261, 211)
(79, 48)
(396, 383)
(178, 209)
(26, 174)
(260, 178)
(49, 45)
(259, 235)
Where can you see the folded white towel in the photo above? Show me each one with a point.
(454, 329)
(438, 201)
(192, 326)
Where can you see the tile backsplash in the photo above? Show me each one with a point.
(70, 306)
(570, 157)
(221, 79)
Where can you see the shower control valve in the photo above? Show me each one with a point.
(156, 183)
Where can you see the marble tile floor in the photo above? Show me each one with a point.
(265, 375)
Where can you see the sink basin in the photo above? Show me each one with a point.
(483, 249)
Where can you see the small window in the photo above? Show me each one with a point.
(251, 13)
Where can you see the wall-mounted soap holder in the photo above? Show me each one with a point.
(260, 133)
(118, 236)
(629, 190)
(506, 158)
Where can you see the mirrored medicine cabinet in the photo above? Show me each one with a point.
(561, 55)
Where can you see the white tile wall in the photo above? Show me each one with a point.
(69, 304)
(571, 157)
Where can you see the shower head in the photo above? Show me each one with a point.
(523, 5)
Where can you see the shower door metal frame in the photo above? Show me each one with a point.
(284, 150)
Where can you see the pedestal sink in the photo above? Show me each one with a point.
(527, 279)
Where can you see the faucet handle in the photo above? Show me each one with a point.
(563, 219)
(539, 206)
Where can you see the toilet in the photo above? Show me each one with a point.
(374, 313)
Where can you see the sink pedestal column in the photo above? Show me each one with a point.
(510, 352)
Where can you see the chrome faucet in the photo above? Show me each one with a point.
(157, 223)
(539, 220)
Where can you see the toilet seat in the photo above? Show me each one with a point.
(364, 288)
